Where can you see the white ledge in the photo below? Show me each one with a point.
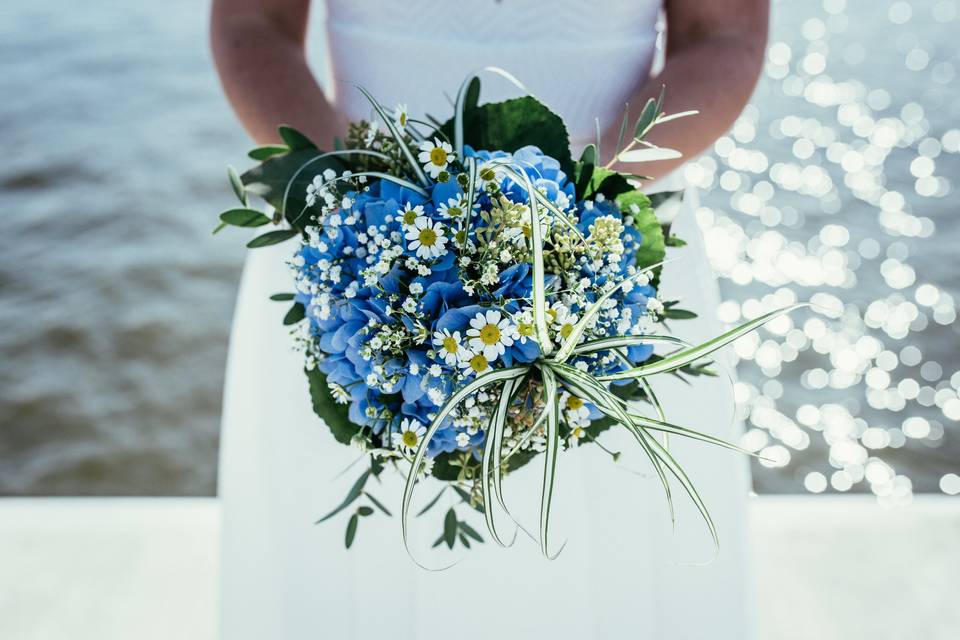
(824, 567)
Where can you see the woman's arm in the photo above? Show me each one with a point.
(258, 47)
(714, 56)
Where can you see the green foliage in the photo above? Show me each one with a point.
(296, 313)
(267, 151)
(272, 237)
(608, 182)
(335, 415)
(244, 218)
(295, 140)
(512, 124)
(282, 297)
(653, 248)
(270, 179)
(584, 169)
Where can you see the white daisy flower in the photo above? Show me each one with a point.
(408, 438)
(490, 333)
(435, 156)
(565, 322)
(426, 238)
(525, 327)
(408, 215)
(400, 116)
(453, 208)
(449, 347)
(476, 365)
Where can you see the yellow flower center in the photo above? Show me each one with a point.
(409, 438)
(566, 330)
(525, 329)
(454, 212)
(577, 432)
(490, 334)
(551, 314)
(409, 216)
(487, 174)
(438, 156)
(450, 344)
(573, 402)
(428, 237)
(478, 363)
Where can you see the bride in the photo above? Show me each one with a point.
(623, 573)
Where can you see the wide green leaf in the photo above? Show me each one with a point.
(516, 123)
(272, 237)
(295, 140)
(296, 313)
(653, 248)
(268, 151)
(336, 416)
(244, 218)
(269, 180)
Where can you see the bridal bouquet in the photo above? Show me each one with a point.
(468, 297)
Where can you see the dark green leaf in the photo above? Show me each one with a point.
(220, 227)
(466, 498)
(352, 495)
(516, 123)
(282, 297)
(679, 314)
(333, 414)
(584, 169)
(269, 180)
(464, 541)
(237, 185)
(450, 527)
(472, 98)
(351, 530)
(272, 237)
(645, 121)
(608, 182)
(674, 241)
(659, 198)
(432, 502)
(267, 151)
(365, 511)
(244, 218)
(470, 531)
(296, 313)
(438, 542)
(377, 504)
(295, 140)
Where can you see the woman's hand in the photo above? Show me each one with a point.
(258, 47)
(714, 56)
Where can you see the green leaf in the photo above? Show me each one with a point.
(661, 197)
(584, 169)
(268, 151)
(608, 182)
(244, 218)
(674, 241)
(237, 185)
(295, 140)
(351, 530)
(679, 314)
(450, 527)
(352, 495)
(491, 451)
(432, 502)
(364, 511)
(269, 179)
(463, 540)
(645, 121)
(377, 503)
(552, 398)
(468, 500)
(470, 531)
(220, 227)
(272, 237)
(516, 123)
(296, 313)
(282, 297)
(335, 415)
(653, 248)
(472, 97)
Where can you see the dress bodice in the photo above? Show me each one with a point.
(581, 58)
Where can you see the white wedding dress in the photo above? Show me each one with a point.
(622, 574)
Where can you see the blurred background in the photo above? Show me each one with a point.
(838, 183)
